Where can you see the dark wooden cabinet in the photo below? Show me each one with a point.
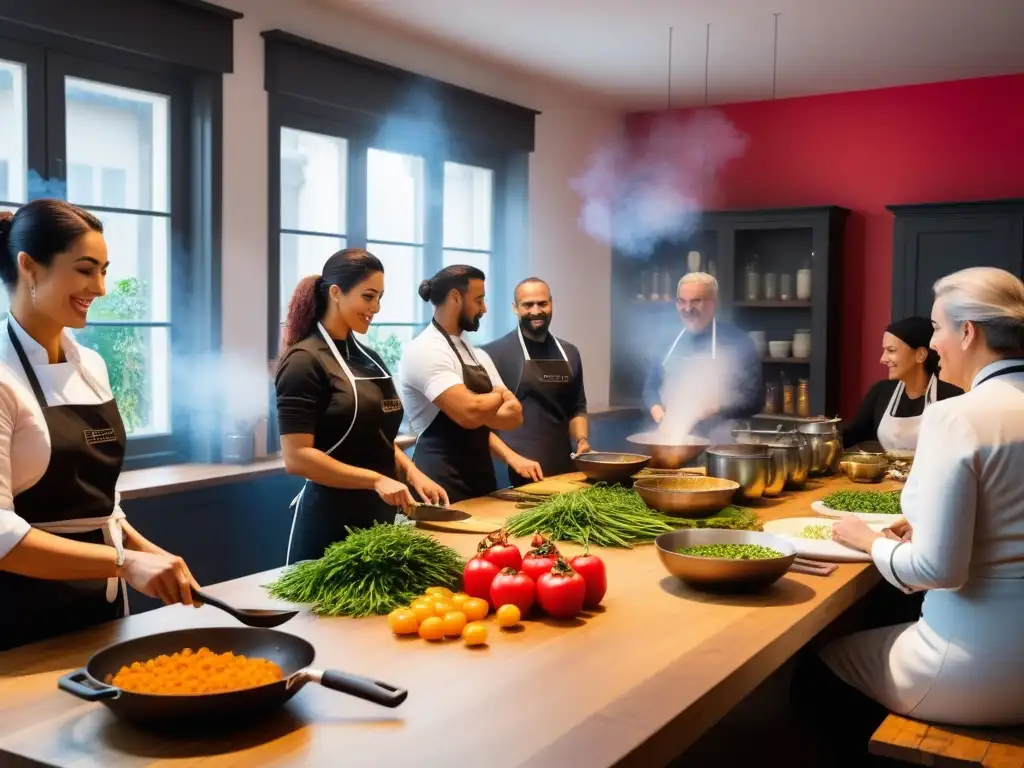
(784, 241)
(935, 239)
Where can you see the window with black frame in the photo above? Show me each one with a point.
(387, 163)
(121, 135)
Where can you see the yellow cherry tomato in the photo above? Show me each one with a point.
(432, 628)
(458, 599)
(423, 610)
(475, 633)
(508, 615)
(441, 607)
(440, 592)
(454, 623)
(476, 609)
(403, 622)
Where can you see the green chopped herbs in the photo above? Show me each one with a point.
(613, 516)
(732, 551)
(823, 532)
(372, 572)
(873, 502)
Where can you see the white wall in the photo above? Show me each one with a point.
(577, 267)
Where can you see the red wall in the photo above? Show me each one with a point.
(951, 141)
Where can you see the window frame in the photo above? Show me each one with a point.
(194, 204)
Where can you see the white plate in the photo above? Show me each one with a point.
(817, 549)
(868, 517)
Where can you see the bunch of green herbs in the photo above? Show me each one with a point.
(372, 572)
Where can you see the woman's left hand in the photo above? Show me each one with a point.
(853, 532)
(426, 489)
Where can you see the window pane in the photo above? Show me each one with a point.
(480, 261)
(138, 278)
(395, 192)
(138, 363)
(388, 342)
(13, 128)
(403, 271)
(314, 179)
(303, 255)
(121, 131)
(467, 206)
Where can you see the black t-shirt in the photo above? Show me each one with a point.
(314, 397)
(864, 427)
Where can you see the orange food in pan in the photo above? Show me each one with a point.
(189, 673)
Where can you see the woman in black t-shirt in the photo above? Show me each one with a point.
(891, 412)
(339, 411)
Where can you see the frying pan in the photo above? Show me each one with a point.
(292, 654)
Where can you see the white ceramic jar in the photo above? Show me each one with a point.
(802, 344)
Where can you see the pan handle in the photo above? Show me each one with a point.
(360, 687)
(81, 684)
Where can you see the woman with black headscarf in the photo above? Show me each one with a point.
(891, 412)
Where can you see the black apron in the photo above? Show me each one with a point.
(544, 388)
(457, 459)
(74, 498)
(321, 513)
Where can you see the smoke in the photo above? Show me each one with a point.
(638, 191)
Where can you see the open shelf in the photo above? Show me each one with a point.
(777, 304)
(787, 360)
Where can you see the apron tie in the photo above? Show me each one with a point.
(113, 536)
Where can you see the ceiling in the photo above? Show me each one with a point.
(618, 50)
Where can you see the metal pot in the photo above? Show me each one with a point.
(825, 445)
(749, 465)
(789, 447)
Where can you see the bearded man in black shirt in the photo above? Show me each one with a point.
(546, 374)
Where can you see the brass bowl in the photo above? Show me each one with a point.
(720, 573)
(666, 455)
(686, 496)
(866, 468)
(610, 467)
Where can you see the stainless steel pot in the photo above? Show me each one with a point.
(789, 447)
(826, 446)
(749, 465)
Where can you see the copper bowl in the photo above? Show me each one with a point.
(669, 455)
(724, 574)
(686, 496)
(610, 467)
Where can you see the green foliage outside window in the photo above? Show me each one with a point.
(122, 348)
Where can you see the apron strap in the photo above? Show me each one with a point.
(30, 374)
(526, 355)
(455, 349)
(714, 342)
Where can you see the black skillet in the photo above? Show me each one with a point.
(292, 654)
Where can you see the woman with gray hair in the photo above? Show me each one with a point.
(962, 537)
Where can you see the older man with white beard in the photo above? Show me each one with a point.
(711, 375)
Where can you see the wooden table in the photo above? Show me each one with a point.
(632, 685)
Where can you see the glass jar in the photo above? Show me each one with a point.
(786, 287)
(655, 285)
(803, 281)
(771, 286)
(788, 398)
(668, 292)
(771, 397)
(803, 398)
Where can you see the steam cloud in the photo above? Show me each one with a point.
(638, 191)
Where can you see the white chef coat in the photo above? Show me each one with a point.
(24, 437)
(430, 366)
(962, 663)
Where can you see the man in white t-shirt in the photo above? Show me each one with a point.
(452, 392)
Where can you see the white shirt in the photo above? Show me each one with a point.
(24, 438)
(430, 367)
(963, 497)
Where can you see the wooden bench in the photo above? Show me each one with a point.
(899, 738)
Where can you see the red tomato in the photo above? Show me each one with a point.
(510, 587)
(561, 591)
(497, 549)
(540, 560)
(591, 568)
(477, 577)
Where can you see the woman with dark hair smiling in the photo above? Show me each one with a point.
(66, 549)
(892, 410)
(338, 410)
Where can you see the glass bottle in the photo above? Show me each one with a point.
(803, 398)
(667, 289)
(788, 397)
(655, 285)
(771, 286)
(753, 292)
(771, 397)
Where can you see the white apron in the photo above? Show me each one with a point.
(900, 434)
(688, 394)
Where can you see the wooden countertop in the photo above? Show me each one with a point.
(634, 684)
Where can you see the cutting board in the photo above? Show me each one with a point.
(574, 481)
(477, 525)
